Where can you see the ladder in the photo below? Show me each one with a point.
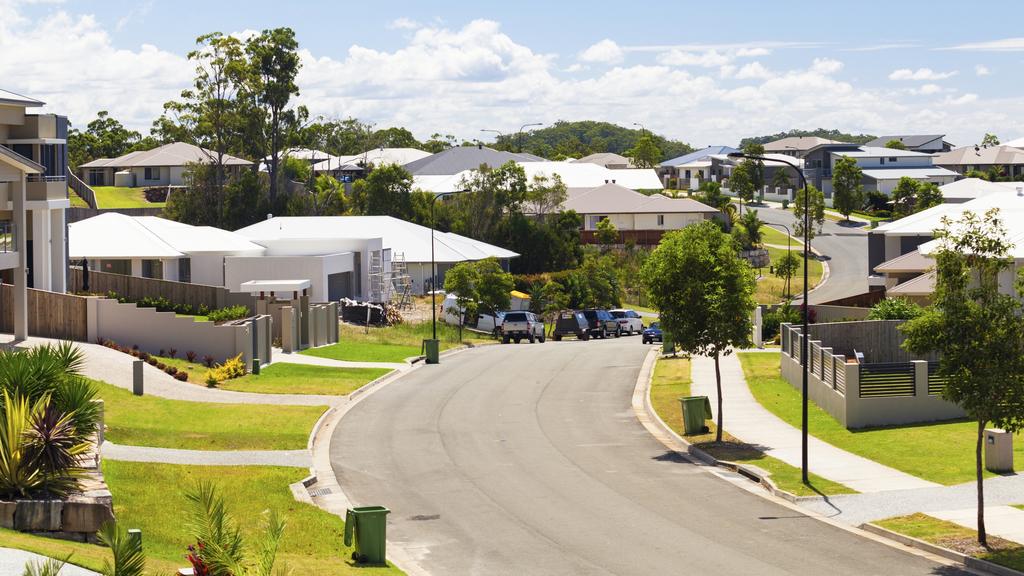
(377, 280)
(401, 282)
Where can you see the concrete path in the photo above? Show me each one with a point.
(115, 368)
(1005, 522)
(747, 420)
(12, 563)
(290, 458)
(295, 358)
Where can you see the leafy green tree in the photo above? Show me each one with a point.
(386, 191)
(326, 197)
(710, 193)
(751, 226)
(546, 195)
(895, 145)
(577, 139)
(704, 293)
(104, 137)
(645, 153)
(553, 299)
(895, 309)
(786, 267)
(606, 234)
(780, 179)
(439, 143)
(741, 183)
(274, 62)
(989, 140)
(491, 193)
(816, 200)
(847, 189)
(904, 197)
(601, 281)
(394, 137)
(928, 195)
(755, 168)
(977, 331)
(830, 134)
(493, 286)
(461, 280)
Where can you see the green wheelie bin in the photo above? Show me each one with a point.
(370, 526)
(432, 350)
(696, 409)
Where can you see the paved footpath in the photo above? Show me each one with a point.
(12, 562)
(279, 355)
(290, 458)
(747, 420)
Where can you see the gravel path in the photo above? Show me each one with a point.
(856, 509)
(290, 458)
(12, 563)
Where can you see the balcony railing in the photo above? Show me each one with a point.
(44, 178)
(7, 240)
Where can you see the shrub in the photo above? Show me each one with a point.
(209, 361)
(231, 368)
(144, 356)
(136, 353)
(229, 313)
(161, 365)
(182, 376)
(785, 204)
(173, 352)
(191, 355)
(171, 370)
(152, 361)
(210, 379)
(161, 352)
(771, 321)
(895, 309)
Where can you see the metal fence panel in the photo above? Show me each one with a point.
(890, 379)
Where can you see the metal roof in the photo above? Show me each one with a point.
(878, 152)
(606, 159)
(173, 154)
(699, 155)
(912, 261)
(908, 140)
(916, 173)
(923, 285)
(616, 199)
(8, 97)
(968, 156)
(798, 143)
(459, 158)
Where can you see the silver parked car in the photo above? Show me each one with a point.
(629, 321)
(519, 325)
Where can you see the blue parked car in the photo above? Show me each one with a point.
(652, 333)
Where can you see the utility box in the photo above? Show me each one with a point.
(998, 450)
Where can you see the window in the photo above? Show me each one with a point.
(892, 159)
(661, 219)
(184, 270)
(595, 220)
(152, 174)
(881, 160)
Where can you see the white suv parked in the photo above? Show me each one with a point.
(629, 321)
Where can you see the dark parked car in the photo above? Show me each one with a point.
(600, 323)
(653, 333)
(570, 323)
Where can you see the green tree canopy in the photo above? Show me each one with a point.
(741, 183)
(386, 191)
(830, 134)
(989, 140)
(704, 293)
(645, 153)
(904, 197)
(816, 201)
(895, 145)
(847, 189)
(606, 234)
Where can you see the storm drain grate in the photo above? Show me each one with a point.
(422, 517)
(319, 492)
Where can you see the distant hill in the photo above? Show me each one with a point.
(580, 138)
(820, 133)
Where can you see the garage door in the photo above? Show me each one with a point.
(339, 286)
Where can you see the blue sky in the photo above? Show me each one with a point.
(704, 72)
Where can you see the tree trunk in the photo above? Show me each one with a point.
(273, 159)
(979, 465)
(718, 383)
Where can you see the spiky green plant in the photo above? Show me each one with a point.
(48, 567)
(128, 557)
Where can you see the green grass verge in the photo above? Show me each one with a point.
(284, 378)
(88, 556)
(941, 452)
(1021, 506)
(162, 423)
(773, 235)
(672, 380)
(390, 344)
(121, 197)
(76, 200)
(770, 288)
(195, 370)
(956, 537)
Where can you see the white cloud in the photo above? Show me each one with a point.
(708, 59)
(880, 47)
(965, 99)
(604, 52)
(404, 23)
(826, 66)
(920, 74)
(981, 70)
(752, 52)
(753, 70)
(929, 89)
(1003, 45)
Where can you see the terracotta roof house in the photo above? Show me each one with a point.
(161, 166)
(638, 217)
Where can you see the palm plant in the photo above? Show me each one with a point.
(128, 558)
(48, 567)
(221, 549)
(752, 224)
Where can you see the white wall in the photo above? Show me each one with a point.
(207, 269)
(140, 177)
(671, 221)
(239, 269)
(176, 176)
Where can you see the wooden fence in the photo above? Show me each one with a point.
(50, 315)
(135, 288)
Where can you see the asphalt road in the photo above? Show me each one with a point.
(528, 459)
(844, 247)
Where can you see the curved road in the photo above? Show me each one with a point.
(845, 248)
(529, 459)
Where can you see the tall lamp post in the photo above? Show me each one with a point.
(498, 132)
(431, 347)
(789, 248)
(519, 138)
(803, 345)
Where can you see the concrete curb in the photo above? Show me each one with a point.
(967, 561)
(672, 441)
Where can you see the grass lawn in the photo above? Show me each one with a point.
(283, 378)
(672, 381)
(770, 287)
(194, 317)
(195, 370)
(121, 197)
(956, 537)
(150, 497)
(76, 200)
(773, 235)
(159, 422)
(390, 344)
(940, 452)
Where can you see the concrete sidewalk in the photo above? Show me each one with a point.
(747, 420)
(12, 563)
(1005, 522)
(290, 458)
(296, 358)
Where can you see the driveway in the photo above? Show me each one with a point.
(528, 459)
(845, 248)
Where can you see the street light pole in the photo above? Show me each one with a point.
(519, 144)
(789, 248)
(806, 335)
(433, 277)
(498, 132)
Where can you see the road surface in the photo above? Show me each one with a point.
(528, 459)
(845, 249)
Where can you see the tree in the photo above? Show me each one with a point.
(386, 191)
(606, 234)
(584, 137)
(439, 143)
(904, 197)
(928, 195)
(553, 300)
(394, 137)
(989, 140)
(976, 329)
(462, 281)
(786, 267)
(704, 292)
(710, 193)
(741, 183)
(645, 153)
(491, 194)
(895, 309)
(755, 168)
(895, 144)
(780, 179)
(326, 197)
(751, 226)
(817, 209)
(829, 134)
(493, 286)
(104, 137)
(847, 189)
(546, 195)
(274, 62)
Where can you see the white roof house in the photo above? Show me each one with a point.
(971, 188)
(380, 156)
(572, 174)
